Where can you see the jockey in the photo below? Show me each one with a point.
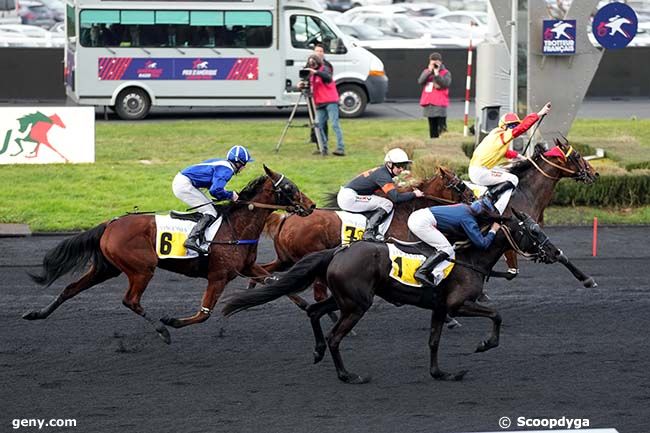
(428, 223)
(212, 174)
(491, 151)
(359, 194)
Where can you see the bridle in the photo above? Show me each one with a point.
(528, 228)
(284, 190)
(571, 155)
(456, 184)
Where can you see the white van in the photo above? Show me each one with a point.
(131, 55)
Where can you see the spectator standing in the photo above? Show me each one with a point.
(434, 100)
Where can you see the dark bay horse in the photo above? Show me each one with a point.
(128, 244)
(294, 238)
(358, 273)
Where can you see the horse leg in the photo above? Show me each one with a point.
(473, 309)
(88, 280)
(210, 298)
(342, 327)
(137, 284)
(18, 142)
(315, 312)
(437, 323)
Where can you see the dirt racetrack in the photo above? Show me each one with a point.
(565, 351)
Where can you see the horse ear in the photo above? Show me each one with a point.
(270, 173)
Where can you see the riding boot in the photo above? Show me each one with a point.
(372, 226)
(494, 193)
(423, 274)
(196, 238)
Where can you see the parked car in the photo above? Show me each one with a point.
(424, 9)
(462, 20)
(362, 32)
(440, 28)
(394, 25)
(35, 13)
(31, 35)
(339, 5)
(56, 7)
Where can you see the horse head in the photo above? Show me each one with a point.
(448, 186)
(287, 194)
(56, 120)
(531, 240)
(567, 161)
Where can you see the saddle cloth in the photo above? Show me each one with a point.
(404, 265)
(354, 224)
(171, 233)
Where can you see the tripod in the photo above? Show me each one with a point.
(313, 124)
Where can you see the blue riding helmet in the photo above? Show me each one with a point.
(239, 154)
(482, 205)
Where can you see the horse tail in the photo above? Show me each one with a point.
(295, 280)
(273, 224)
(72, 255)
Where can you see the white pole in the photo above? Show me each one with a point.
(468, 83)
(513, 57)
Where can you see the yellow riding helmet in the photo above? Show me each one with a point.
(508, 119)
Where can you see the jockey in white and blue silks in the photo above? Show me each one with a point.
(428, 224)
(213, 175)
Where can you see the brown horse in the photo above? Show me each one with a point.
(294, 238)
(360, 272)
(128, 244)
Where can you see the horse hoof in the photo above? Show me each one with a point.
(441, 375)
(164, 334)
(319, 354)
(32, 315)
(589, 283)
(354, 379)
(485, 346)
(169, 321)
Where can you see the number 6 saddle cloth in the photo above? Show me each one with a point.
(404, 265)
(171, 233)
(354, 224)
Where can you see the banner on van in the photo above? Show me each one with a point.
(198, 68)
(44, 135)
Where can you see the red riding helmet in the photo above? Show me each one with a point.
(508, 119)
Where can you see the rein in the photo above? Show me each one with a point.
(513, 244)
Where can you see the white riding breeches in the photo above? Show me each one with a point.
(349, 200)
(423, 224)
(488, 177)
(192, 196)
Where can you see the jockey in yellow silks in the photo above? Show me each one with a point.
(493, 150)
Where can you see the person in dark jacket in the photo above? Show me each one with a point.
(359, 194)
(429, 223)
(212, 174)
(434, 100)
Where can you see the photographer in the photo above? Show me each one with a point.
(435, 81)
(326, 99)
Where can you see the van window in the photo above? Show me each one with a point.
(176, 28)
(307, 31)
(71, 28)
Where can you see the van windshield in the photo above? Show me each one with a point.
(307, 31)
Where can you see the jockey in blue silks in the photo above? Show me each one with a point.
(213, 175)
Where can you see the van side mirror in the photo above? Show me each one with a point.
(340, 47)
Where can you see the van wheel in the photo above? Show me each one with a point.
(132, 104)
(352, 100)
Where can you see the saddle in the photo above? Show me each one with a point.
(417, 247)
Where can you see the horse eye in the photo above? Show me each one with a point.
(287, 187)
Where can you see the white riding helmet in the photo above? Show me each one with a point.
(397, 156)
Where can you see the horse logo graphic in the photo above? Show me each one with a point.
(615, 26)
(559, 30)
(151, 65)
(198, 64)
(36, 127)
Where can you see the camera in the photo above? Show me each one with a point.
(304, 74)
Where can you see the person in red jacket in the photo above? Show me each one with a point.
(326, 99)
(435, 81)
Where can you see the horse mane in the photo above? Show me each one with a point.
(246, 194)
(519, 167)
